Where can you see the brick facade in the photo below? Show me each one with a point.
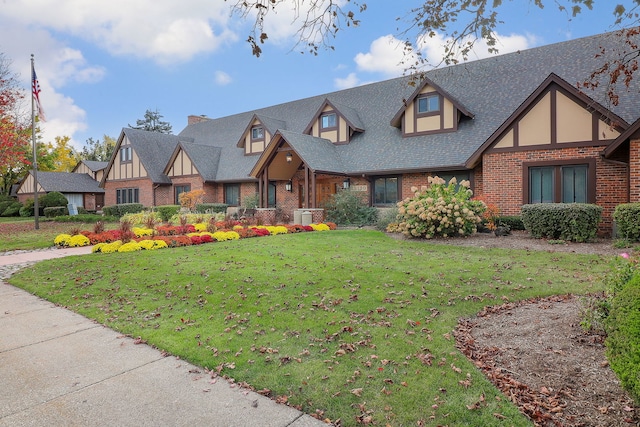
(502, 182)
(634, 170)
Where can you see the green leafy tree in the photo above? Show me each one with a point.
(152, 122)
(98, 151)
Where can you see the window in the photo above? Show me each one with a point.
(428, 104)
(385, 190)
(127, 195)
(328, 121)
(257, 133)
(560, 184)
(232, 194)
(271, 199)
(179, 189)
(125, 154)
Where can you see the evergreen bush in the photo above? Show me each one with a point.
(627, 218)
(52, 199)
(623, 340)
(167, 211)
(211, 208)
(576, 222)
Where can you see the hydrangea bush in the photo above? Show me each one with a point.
(441, 209)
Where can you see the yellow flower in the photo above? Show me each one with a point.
(62, 240)
(79, 240)
(129, 247)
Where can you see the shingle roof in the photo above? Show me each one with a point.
(318, 153)
(205, 158)
(95, 166)
(154, 150)
(492, 89)
(68, 182)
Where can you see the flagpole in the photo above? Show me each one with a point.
(35, 151)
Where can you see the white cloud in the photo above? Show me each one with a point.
(386, 55)
(222, 78)
(164, 31)
(433, 48)
(348, 82)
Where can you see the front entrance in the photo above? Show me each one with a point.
(325, 189)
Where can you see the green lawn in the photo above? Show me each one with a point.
(352, 325)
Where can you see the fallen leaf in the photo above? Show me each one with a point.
(357, 392)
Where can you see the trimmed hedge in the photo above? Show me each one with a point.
(167, 211)
(627, 218)
(52, 199)
(121, 209)
(54, 211)
(211, 208)
(576, 222)
(623, 340)
(513, 222)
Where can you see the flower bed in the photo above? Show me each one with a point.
(169, 236)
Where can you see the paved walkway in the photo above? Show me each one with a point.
(58, 368)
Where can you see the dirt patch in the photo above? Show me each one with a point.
(539, 356)
(537, 353)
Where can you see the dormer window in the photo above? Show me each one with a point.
(328, 121)
(428, 104)
(257, 133)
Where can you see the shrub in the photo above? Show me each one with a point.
(11, 209)
(52, 199)
(513, 222)
(347, 207)
(167, 211)
(189, 199)
(52, 212)
(627, 218)
(27, 208)
(623, 341)
(251, 201)
(386, 216)
(211, 208)
(576, 222)
(122, 209)
(439, 210)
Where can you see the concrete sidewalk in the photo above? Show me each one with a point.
(58, 368)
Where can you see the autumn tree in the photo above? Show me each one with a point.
(98, 151)
(152, 122)
(60, 155)
(14, 128)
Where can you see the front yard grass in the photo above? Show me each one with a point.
(352, 326)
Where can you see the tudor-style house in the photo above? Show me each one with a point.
(515, 125)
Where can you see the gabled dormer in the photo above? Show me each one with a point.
(335, 122)
(429, 110)
(258, 133)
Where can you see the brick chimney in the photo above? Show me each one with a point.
(196, 119)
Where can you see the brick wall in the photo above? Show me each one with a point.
(145, 187)
(502, 178)
(634, 171)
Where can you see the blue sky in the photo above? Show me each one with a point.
(101, 65)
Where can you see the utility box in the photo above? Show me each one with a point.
(297, 216)
(307, 218)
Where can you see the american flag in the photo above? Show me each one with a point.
(35, 87)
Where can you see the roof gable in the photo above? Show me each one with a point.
(200, 159)
(535, 102)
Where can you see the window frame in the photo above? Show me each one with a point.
(127, 195)
(126, 155)
(429, 111)
(386, 201)
(255, 129)
(179, 189)
(327, 115)
(557, 183)
(229, 186)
